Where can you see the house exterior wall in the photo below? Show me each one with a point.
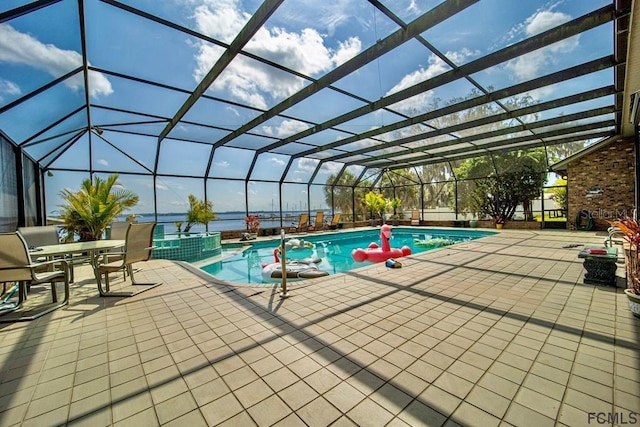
(602, 182)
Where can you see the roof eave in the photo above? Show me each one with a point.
(562, 165)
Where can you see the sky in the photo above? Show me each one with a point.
(309, 37)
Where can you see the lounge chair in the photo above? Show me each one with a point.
(415, 217)
(616, 237)
(319, 222)
(335, 221)
(302, 224)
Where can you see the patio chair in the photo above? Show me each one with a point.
(302, 224)
(319, 222)
(415, 217)
(118, 231)
(335, 221)
(45, 235)
(16, 266)
(137, 248)
(40, 235)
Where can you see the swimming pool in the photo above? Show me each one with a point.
(334, 250)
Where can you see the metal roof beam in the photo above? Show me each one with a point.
(577, 71)
(39, 90)
(554, 35)
(567, 140)
(557, 77)
(438, 14)
(499, 132)
(448, 155)
(572, 99)
(256, 21)
(28, 142)
(26, 9)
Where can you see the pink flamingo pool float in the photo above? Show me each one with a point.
(374, 253)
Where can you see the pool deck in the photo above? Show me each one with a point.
(496, 331)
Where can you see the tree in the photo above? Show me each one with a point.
(401, 183)
(394, 204)
(200, 212)
(485, 173)
(340, 192)
(559, 193)
(558, 152)
(89, 211)
(498, 196)
(439, 189)
(375, 203)
(436, 189)
(344, 192)
(502, 182)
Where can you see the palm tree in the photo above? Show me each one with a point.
(342, 190)
(89, 211)
(403, 184)
(200, 212)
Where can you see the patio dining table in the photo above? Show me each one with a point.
(92, 248)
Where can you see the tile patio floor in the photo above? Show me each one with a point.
(499, 331)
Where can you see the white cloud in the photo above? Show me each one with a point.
(533, 64)
(418, 103)
(276, 161)
(332, 168)
(543, 92)
(253, 82)
(233, 110)
(286, 128)
(9, 88)
(544, 20)
(103, 162)
(222, 164)
(328, 15)
(362, 143)
(347, 50)
(24, 49)
(221, 19)
(413, 7)
(308, 165)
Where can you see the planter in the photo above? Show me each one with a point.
(634, 302)
(473, 223)
(499, 226)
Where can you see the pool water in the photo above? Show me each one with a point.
(334, 250)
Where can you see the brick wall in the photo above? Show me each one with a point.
(602, 182)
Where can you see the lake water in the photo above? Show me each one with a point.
(224, 221)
